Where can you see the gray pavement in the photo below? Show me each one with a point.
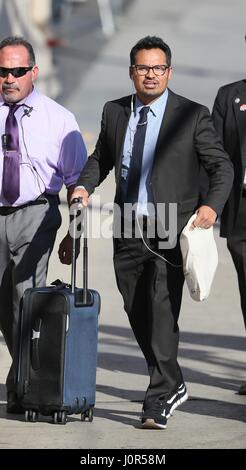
(208, 51)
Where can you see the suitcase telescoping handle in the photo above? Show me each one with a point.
(86, 299)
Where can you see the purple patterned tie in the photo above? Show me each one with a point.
(11, 167)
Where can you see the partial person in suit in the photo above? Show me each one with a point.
(174, 137)
(229, 115)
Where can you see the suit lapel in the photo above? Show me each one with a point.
(168, 125)
(239, 106)
(121, 126)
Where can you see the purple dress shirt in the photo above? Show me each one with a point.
(52, 150)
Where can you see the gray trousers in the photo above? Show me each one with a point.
(27, 238)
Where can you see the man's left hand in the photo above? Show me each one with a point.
(66, 248)
(206, 217)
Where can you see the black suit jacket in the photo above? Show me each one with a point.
(187, 139)
(230, 122)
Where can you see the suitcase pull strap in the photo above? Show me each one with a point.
(87, 298)
(35, 344)
(58, 284)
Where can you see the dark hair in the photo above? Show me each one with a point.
(19, 41)
(151, 42)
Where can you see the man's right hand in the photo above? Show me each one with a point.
(82, 193)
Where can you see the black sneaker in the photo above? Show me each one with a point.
(179, 397)
(153, 416)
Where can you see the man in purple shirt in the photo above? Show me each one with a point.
(42, 148)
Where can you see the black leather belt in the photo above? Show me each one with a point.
(42, 199)
(144, 222)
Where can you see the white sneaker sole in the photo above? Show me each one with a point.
(151, 424)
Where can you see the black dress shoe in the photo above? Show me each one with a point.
(242, 389)
(13, 404)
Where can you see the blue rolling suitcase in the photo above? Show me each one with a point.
(58, 347)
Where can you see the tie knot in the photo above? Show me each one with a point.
(12, 107)
(143, 115)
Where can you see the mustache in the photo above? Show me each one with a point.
(152, 80)
(10, 86)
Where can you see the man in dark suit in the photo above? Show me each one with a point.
(173, 136)
(229, 115)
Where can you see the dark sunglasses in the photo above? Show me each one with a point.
(15, 71)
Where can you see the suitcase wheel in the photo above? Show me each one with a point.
(31, 416)
(87, 415)
(60, 417)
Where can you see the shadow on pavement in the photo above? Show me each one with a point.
(208, 339)
(129, 362)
